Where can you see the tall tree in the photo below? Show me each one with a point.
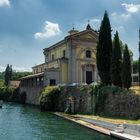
(7, 75)
(10, 72)
(126, 71)
(139, 70)
(104, 51)
(116, 69)
(139, 59)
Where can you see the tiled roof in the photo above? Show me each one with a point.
(33, 75)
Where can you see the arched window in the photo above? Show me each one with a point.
(88, 54)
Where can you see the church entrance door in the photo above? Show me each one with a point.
(89, 77)
(52, 82)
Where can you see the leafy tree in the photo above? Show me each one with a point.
(116, 62)
(17, 75)
(2, 75)
(126, 72)
(104, 50)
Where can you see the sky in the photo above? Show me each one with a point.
(29, 26)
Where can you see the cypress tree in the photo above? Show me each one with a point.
(126, 71)
(7, 76)
(139, 70)
(104, 50)
(139, 59)
(116, 62)
(10, 72)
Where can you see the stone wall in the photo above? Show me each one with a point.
(71, 96)
(125, 105)
(32, 94)
(79, 101)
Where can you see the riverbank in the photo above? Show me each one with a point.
(108, 128)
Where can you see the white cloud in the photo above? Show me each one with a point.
(120, 29)
(131, 8)
(21, 69)
(95, 23)
(2, 68)
(120, 17)
(4, 2)
(95, 20)
(17, 69)
(126, 16)
(50, 29)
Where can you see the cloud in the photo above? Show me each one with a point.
(50, 29)
(17, 69)
(4, 2)
(120, 17)
(120, 29)
(2, 68)
(131, 8)
(96, 20)
(95, 23)
(21, 69)
(126, 16)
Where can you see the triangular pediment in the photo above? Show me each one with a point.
(86, 35)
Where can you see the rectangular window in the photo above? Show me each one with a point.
(88, 54)
(64, 53)
(36, 70)
(52, 57)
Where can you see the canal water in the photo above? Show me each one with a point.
(18, 122)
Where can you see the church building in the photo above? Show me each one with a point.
(72, 60)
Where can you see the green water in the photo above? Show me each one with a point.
(18, 122)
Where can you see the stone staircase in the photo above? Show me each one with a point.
(119, 128)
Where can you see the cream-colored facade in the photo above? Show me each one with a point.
(72, 60)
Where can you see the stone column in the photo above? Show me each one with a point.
(85, 73)
(93, 73)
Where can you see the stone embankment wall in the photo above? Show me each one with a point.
(71, 97)
(76, 100)
(125, 105)
(32, 94)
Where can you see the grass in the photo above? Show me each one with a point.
(109, 119)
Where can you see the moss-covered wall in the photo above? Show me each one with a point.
(80, 101)
(125, 105)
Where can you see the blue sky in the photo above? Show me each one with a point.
(28, 26)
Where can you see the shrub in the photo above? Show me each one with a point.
(9, 94)
(49, 98)
(5, 93)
